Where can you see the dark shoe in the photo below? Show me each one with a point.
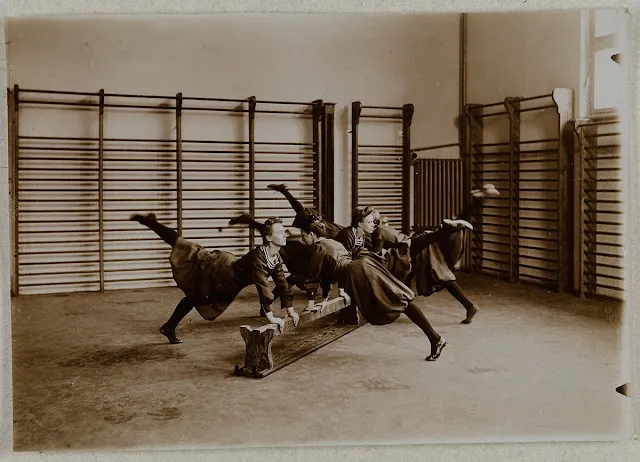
(471, 312)
(142, 219)
(170, 334)
(281, 188)
(244, 219)
(438, 350)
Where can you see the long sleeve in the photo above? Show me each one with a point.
(385, 237)
(282, 287)
(328, 274)
(377, 241)
(327, 278)
(255, 268)
(332, 229)
(259, 271)
(424, 240)
(347, 238)
(314, 276)
(294, 256)
(368, 241)
(335, 255)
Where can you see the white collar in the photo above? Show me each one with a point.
(272, 262)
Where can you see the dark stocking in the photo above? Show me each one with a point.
(168, 235)
(417, 317)
(418, 244)
(282, 189)
(245, 219)
(169, 328)
(454, 289)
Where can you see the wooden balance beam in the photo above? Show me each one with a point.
(338, 318)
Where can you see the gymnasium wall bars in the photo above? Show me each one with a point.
(598, 234)
(381, 171)
(82, 162)
(523, 235)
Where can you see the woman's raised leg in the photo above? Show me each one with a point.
(149, 220)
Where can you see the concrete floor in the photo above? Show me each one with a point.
(91, 371)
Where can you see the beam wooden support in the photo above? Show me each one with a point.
(259, 358)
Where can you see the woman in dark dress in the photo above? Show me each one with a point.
(296, 256)
(378, 295)
(432, 267)
(212, 280)
(387, 237)
(333, 229)
(365, 221)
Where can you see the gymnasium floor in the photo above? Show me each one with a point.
(91, 371)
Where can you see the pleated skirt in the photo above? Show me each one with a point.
(378, 295)
(207, 278)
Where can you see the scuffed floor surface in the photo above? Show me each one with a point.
(91, 371)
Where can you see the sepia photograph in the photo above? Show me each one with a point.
(272, 230)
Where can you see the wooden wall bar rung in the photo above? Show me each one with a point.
(517, 182)
(72, 195)
(363, 165)
(598, 239)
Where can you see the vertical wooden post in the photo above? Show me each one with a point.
(579, 213)
(563, 99)
(465, 160)
(318, 158)
(512, 106)
(473, 174)
(15, 138)
(418, 179)
(462, 122)
(324, 205)
(432, 219)
(252, 166)
(466, 169)
(437, 192)
(356, 109)
(101, 186)
(407, 116)
(328, 138)
(589, 208)
(179, 161)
